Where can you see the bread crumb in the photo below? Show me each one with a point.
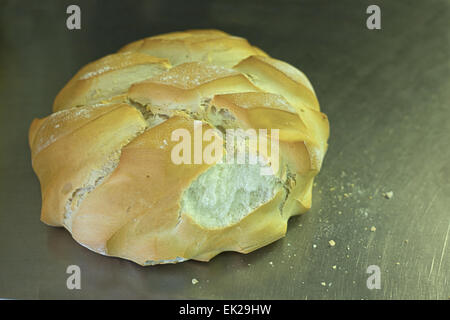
(314, 246)
(194, 281)
(334, 267)
(323, 284)
(388, 195)
(271, 263)
(373, 229)
(332, 243)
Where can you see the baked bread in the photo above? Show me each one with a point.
(105, 162)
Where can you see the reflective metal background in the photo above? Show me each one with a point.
(386, 94)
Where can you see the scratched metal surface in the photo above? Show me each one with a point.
(386, 94)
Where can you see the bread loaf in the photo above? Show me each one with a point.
(105, 157)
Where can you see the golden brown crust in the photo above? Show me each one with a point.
(210, 46)
(104, 160)
(276, 76)
(106, 78)
(71, 145)
(184, 86)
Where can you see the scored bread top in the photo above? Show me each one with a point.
(210, 46)
(107, 77)
(103, 156)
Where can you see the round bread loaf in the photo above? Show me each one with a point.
(107, 161)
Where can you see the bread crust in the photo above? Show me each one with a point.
(104, 161)
(210, 46)
(97, 82)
